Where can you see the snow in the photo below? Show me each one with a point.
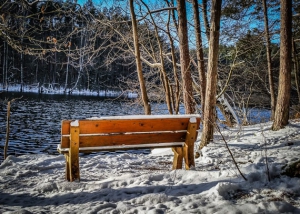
(56, 89)
(134, 117)
(144, 183)
(75, 123)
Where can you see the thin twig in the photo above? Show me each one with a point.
(226, 144)
(266, 154)
(7, 126)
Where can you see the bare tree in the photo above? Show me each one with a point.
(199, 53)
(176, 93)
(296, 69)
(146, 103)
(211, 88)
(165, 79)
(283, 100)
(187, 88)
(268, 49)
(4, 66)
(205, 18)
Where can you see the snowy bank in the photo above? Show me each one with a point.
(145, 183)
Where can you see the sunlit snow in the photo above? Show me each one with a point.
(145, 183)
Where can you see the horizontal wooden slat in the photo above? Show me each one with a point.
(125, 139)
(123, 147)
(129, 125)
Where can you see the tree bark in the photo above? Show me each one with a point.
(176, 93)
(211, 88)
(268, 49)
(145, 99)
(187, 86)
(205, 18)
(200, 57)
(22, 71)
(7, 130)
(67, 69)
(283, 100)
(296, 67)
(4, 67)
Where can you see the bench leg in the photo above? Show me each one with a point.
(189, 143)
(178, 157)
(67, 167)
(74, 154)
(186, 156)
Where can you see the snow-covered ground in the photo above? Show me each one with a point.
(145, 183)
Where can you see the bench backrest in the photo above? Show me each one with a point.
(128, 130)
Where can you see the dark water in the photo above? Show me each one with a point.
(35, 120)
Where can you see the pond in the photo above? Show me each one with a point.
(35, 120)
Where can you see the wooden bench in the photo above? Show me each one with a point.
(178, 132)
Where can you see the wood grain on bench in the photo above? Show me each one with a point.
(127, 132)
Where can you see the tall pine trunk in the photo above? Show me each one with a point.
(205, 18)
(187, 88)
(211, 88)
(296, 68)
(283, 100)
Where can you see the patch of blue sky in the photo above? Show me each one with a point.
(104, 3)
(248, 21)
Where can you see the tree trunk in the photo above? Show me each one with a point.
(36, 71)
(80, 61)
(283, 100)
(67, 69)
(211, 88)
(22, 71)
(176, 94)
(296, 67)
(205, 18)
(187, 86)
(147, 108)
(7, 130)
(4, 67)
(270, 72)
(200, 57)
(68, 59)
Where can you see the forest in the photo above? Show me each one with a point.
(206, 57)
(161, 50)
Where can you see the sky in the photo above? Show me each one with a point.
(134, 182)
(242, 26)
